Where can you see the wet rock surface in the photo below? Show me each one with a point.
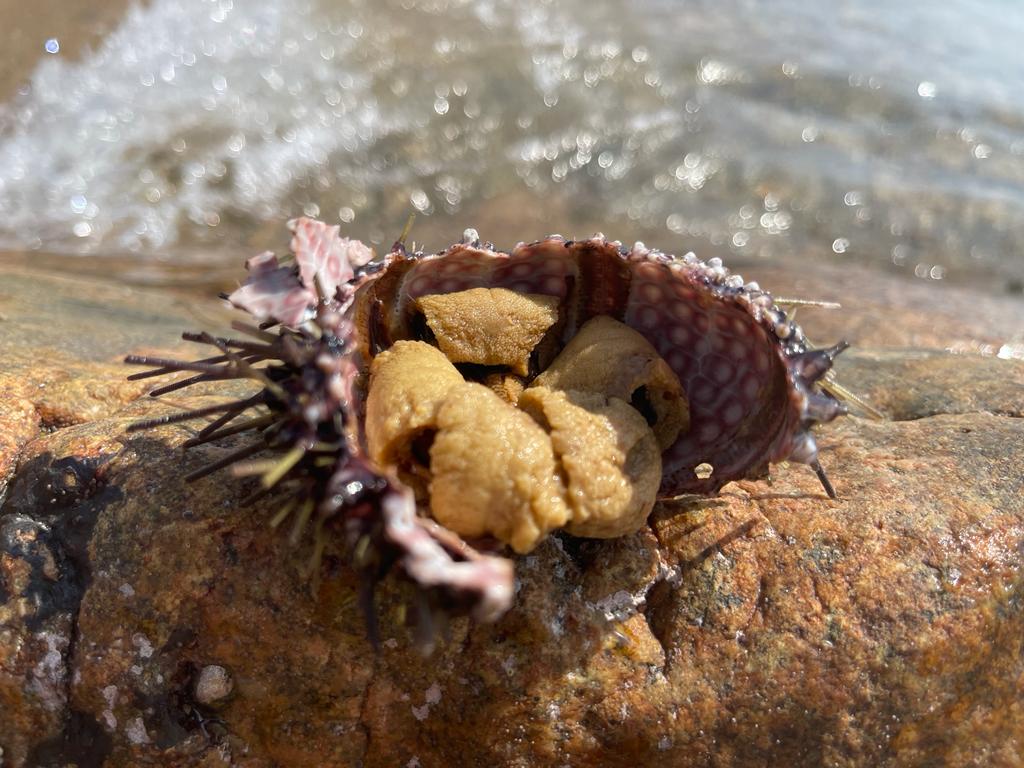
(885, 311)
(915, 383)
(767, 624)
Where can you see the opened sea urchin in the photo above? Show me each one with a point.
(422, 401)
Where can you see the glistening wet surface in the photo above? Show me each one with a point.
(853, 132)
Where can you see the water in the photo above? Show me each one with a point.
(865, 131)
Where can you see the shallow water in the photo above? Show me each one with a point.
(877, 133)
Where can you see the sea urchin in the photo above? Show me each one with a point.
(425, 400)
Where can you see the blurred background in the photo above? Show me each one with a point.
(173, 137)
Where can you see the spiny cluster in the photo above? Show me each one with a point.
(303, 356)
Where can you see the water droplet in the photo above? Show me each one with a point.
(419, 200)
(926, 90)
(52, 45)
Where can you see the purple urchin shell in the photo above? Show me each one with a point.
(747, 370)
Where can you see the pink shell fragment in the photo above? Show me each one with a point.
(320, 252)
(275, 292)
(486, 577)
(272, 292)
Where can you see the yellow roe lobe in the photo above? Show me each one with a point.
(578, 447)
(489, 326)
(494, 471)
(608, 454)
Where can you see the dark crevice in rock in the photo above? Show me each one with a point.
(60, 501)
(761, 603)
(45, 486)
(581, 552)
(1007, 414)
(52, 588)
(364, 715)
(657, 611)
(83, 743)
(64, 497)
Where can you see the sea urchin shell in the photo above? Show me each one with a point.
(563, 383)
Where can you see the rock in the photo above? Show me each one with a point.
(213, 684)
(816, 632)
(36, 623)
(766, 624)
(180, 577)
(87, 318)
(19, 423)
(888, 311)
(912, 384)
(62, 340)
(63, 391)
(767, 619)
